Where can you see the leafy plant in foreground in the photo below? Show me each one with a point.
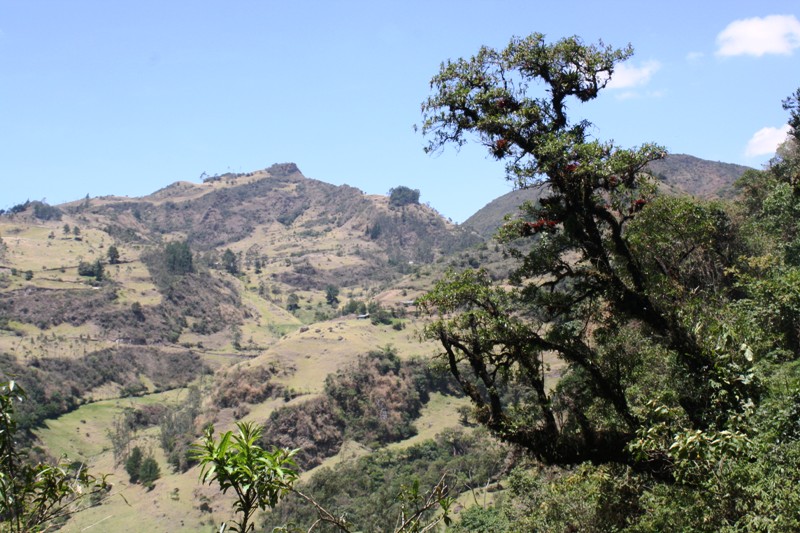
(258, 477)
(32, 496)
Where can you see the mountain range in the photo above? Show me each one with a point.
(254, 287)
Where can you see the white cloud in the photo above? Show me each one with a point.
(766, 140)
(634, 95)
(775, 34)
(628, 95)
(627, 76)
(694, 57)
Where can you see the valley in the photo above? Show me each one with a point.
(290, 238)
(247, 291)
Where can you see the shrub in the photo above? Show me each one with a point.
(141, 469)
(133, 464)
(149, 472)
(94, 270)
(113, 255)
(43, 211)
(401, 195)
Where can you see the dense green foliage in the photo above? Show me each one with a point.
(332, 295)
(149, 471)
(94, 269)
(675, 320)
(113, 255)
(478, 519)
(178, 258)
(370, 490)
(41, 210)
(357, 307)
(230, 263)
(133, 465)
(292, 302)
(44, 211)
(595, 190)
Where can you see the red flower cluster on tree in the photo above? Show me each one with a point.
(572, 167)
(529, 228)
(638, 205)
(501, 146)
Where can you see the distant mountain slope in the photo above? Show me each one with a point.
(679, 174)
(487, 219)
(280, 213)
(698, 177)
(268, 251)
(153, 299)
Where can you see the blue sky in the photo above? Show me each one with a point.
(125, 97)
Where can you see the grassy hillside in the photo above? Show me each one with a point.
(258, 240)
(246, 318)
(697, 177)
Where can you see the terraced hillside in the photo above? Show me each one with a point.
(244, 289)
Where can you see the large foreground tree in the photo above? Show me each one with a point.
(614, 284)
